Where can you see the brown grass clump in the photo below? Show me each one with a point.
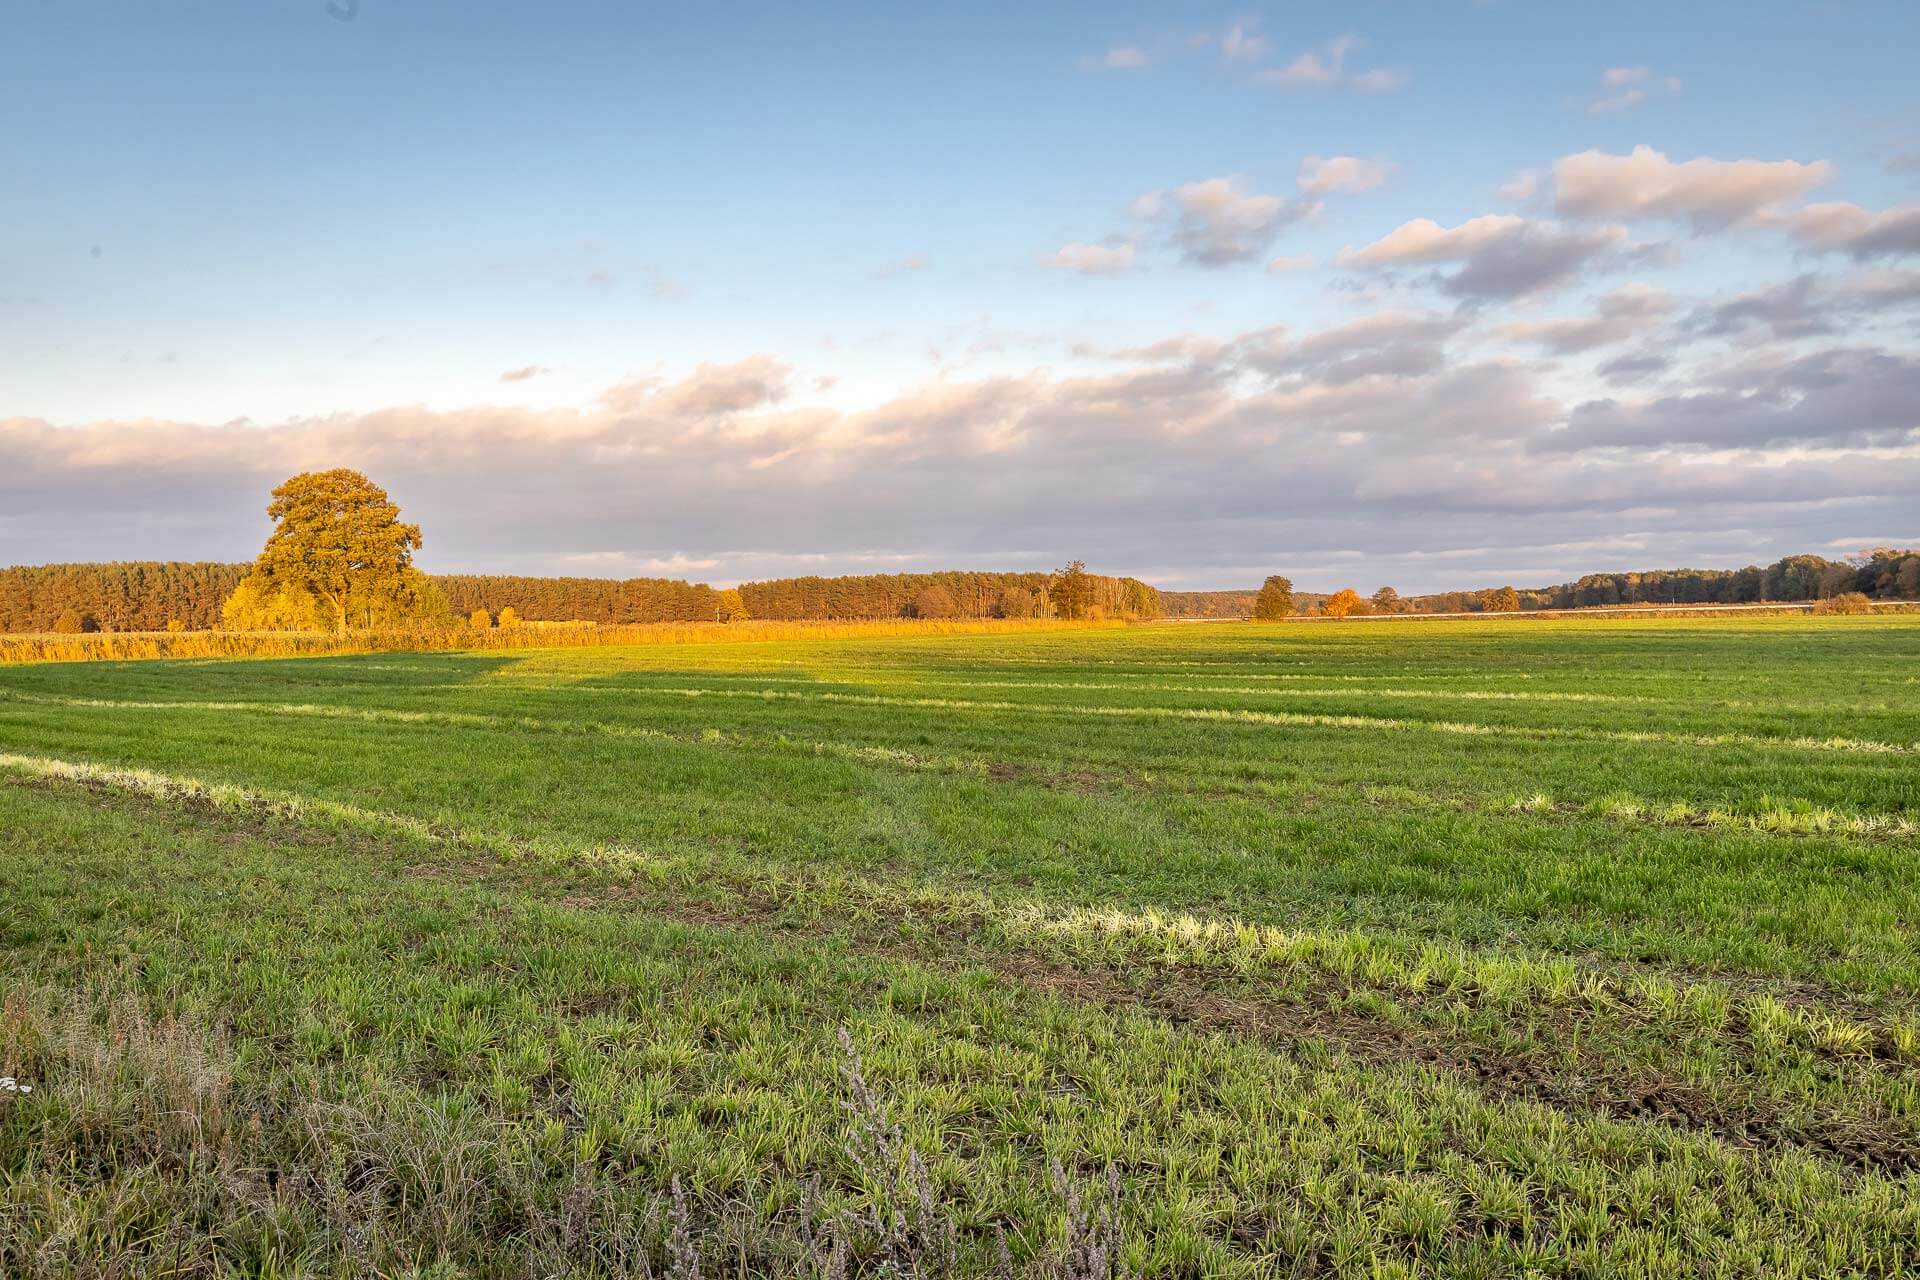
(1846, 602)
(146, 1150)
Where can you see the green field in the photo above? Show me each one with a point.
(1580, 948)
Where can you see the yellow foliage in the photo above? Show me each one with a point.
(260, 603)
(1341, 603)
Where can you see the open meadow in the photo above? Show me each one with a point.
(1469, 949)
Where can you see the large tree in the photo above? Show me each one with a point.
(1071, 590)
(1275, 600)
(339, 537)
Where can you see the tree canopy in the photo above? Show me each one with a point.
(339, 557)
(935, 602)
(1275, 600)
(1071, 590)
(1341, 603)
(339, 538)
(1500, 600)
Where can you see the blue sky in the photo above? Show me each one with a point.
(728, 292)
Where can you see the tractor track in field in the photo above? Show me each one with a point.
(1564, 1072)
(1786, 822)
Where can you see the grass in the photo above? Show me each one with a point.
(1471, 949)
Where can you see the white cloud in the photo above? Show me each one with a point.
(1851, 229)
(1524, 185)
(1323, 176)
(1623, 314)
(1708, 193)
(1284, 264)
(1218, 221)
(1807, 306)
(1624, 88)
(1315, 68)
(1326, 68)
(1124, 57)
(1501, 255)
(1095, 259)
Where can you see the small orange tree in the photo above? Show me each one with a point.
(1341, 603)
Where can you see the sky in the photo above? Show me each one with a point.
(1431, 295)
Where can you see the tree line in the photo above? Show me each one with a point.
(156, 595)
(1072, 592)
(1884, 573)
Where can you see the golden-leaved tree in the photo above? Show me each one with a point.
(339, 556)
(1342, 603)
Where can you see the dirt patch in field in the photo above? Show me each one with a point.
(1577, 1081)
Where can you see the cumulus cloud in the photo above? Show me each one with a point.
(1500, 255)
(1851, 396)
(1807, 306)
(1219, 221)
(1324, 175)
(1624, 88)
(1790, 310)
(1850, 229)
(1619, 316)
(524, 373)
(1285, 263)
(1389, 344)
(1094, 259)
(1634, 367)
(710, 390)
(1710, 194)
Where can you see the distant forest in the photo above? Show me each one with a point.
(151, 595)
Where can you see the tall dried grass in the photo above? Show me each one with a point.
(132, 645)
